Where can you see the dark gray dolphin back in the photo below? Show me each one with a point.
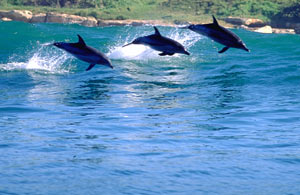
(160, 43)
(85, 53)
(219, 34)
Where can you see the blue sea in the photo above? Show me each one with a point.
(207, 123)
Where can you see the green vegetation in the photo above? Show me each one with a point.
(168, 10)
(289, 14)
(264, 8)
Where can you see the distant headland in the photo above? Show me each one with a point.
(265, 16)
(256, 25)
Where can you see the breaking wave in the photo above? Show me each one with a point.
(45, 59)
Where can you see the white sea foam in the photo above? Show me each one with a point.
(136, 52)
(45, 59)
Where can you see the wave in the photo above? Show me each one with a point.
(47, 59)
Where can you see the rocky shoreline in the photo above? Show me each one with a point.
(250, 24)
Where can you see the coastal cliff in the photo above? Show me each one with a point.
(252, 24)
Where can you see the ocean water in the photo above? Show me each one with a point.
(207, 123)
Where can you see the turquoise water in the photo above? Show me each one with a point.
(207, 123)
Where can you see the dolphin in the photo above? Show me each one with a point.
(85, 53)
(160, 43)
(219, 34)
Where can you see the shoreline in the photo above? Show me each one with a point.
(250, 24)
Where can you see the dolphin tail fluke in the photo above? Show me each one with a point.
(223, 50)
(90, 67)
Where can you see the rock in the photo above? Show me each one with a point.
(283, 31)
(3, 13)
(235, 20)
(244, 27)
(17, 15)
(102, 23)
(51, 17)
(90, 22)
(118, 22)
(157, 23)
(112, 23)
(181, 22)
(292, 25)
(20, 15)
(265, 29)
(131, 22)
(64, 18)
(6, 19)
(141, 22)
(136, 23)
(38, 18)
(251, 22)
(70, 19)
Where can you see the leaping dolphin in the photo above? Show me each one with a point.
(219, 34)
(160, 43)
(85, 53)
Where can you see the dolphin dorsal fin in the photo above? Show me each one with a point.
(156, 31)
(80, 40)
(215, 21)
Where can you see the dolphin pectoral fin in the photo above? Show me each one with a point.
(163, 54)
(166, 54)
(223, 50)
(90, 67)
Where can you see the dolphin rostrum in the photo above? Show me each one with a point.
(160, 43)
(219, 34)
(85, 53)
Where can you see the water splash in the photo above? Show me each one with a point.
(132, 52)
(141, 52)
(46, 59)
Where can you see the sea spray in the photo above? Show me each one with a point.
(45, 58)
